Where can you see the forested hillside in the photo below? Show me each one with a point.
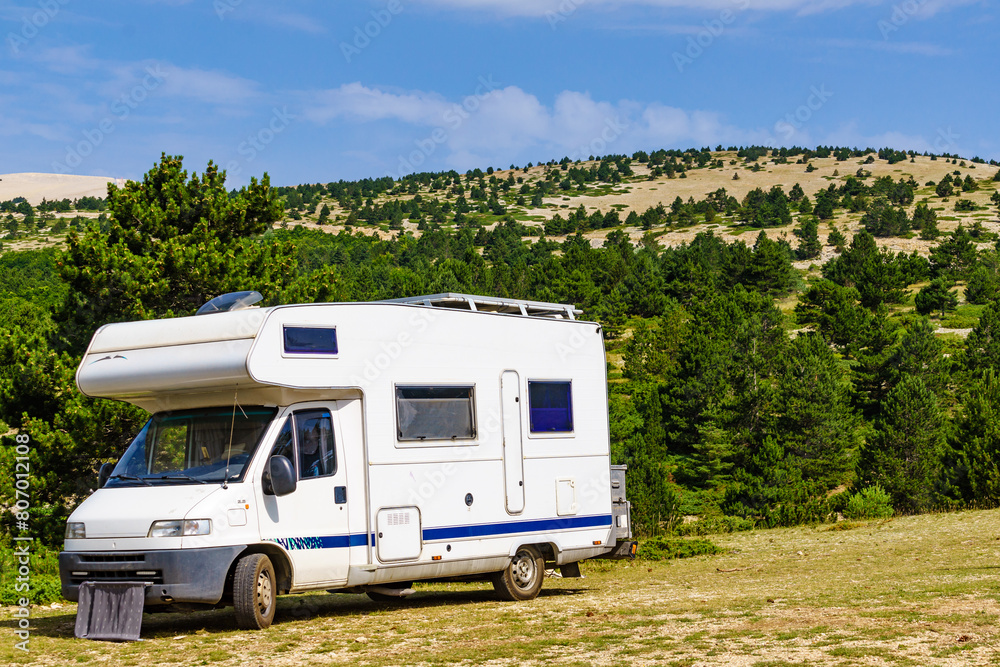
(792, 333)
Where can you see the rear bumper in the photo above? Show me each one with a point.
(178, 575)
(622, 550)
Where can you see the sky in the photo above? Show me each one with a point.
(310, 91)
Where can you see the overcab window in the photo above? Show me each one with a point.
(435, 413)
(550, 407)
(310, 340)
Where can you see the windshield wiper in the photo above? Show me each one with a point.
(216, 480)
(131, 477)
(181, 475)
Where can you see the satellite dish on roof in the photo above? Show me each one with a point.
(232, 301)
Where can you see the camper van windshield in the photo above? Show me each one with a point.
(193, 447)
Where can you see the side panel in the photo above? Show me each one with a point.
(475, 507)
(513, 452)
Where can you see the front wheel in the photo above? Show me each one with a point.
(254, 592)
(522, 578)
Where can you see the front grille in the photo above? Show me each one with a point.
(112, 558)
(118, 575)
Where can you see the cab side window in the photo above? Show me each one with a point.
(285, 444)
(306, 439)
(317, 453)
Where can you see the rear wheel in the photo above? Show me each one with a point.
(522, 578)
(255, 595)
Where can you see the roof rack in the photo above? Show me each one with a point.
(488, 304)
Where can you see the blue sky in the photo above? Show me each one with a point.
(319, 91)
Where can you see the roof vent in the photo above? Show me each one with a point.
(232, 301)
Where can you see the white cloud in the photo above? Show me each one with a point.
(12, 127)
(272, 16)
(564, 8)
(357, 102)
(212, 86)
(907, 48)
(297, 21)
(72, 59)
(508, 124)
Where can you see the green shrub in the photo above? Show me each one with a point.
(709, 525)
(43, 578)
(871, 502)
(666, 548)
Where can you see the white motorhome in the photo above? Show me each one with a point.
(352, 447)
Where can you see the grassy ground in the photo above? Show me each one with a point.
(910, 591)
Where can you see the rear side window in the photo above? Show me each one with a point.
(310, 340)
(435, 413)
(550, 406)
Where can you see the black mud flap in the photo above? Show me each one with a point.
(110, 611)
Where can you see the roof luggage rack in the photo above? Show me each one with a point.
(485, 304)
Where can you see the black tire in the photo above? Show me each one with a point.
(382, 597)
(255, 593)
(522, 578)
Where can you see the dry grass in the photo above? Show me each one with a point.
(639, 194)
(34, 187)
(910, 591)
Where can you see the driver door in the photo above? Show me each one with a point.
(311, 523)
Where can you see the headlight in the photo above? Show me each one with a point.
(177, 528)
(75, 531)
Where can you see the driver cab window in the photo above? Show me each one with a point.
(306, 439)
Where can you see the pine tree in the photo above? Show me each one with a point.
(977, 440)
(770, 269)
(982, 347)
(905, 452)
(925, 219)
(878, 275)
(936, 297)
(920, 353)
(809, 243)
(836, 311)
(983, 285)
(883, 219)
(836, 238)
(813, 415)
(873, 349)
(944, 187)
(174, 242)
(955, 256)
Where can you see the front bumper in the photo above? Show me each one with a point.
(177, 575)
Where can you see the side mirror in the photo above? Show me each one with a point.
(280, 476)
(105, 473)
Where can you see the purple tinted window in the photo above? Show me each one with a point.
(310, 340)
(550, 405)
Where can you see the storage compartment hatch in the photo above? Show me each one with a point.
(398, 534)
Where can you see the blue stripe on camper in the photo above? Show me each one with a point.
(324, 542)
(514, 527)
(452, 532)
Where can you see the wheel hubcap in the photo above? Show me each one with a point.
(523, 570)
(264, 591)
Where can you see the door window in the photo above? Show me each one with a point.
(306, 439)
(314, 429)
